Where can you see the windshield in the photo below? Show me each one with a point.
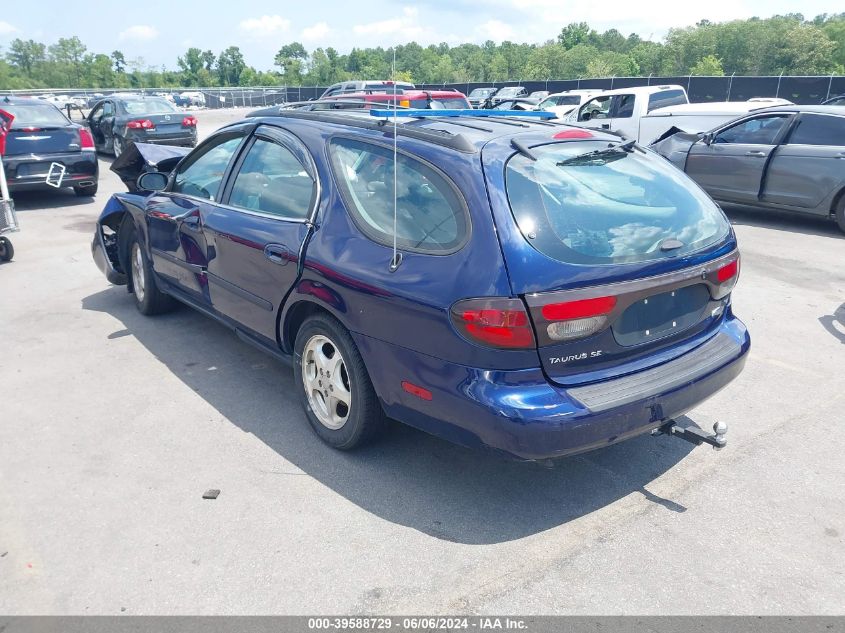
(560, 100)
(612, 206)
(149, 106)
(35, 115)
(508, 92)
(481, 92)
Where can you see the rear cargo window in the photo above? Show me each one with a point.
(431, 216)
(35, 115)
(666, 98)
(440, 103)
(611, 207)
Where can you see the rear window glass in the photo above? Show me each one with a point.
(431, 216)
(149, 106)
(34, 115)
(439, 103)
(607, 208)
(817, 129)
(666, 98)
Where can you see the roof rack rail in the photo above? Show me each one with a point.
(414, 113)
(458, 142)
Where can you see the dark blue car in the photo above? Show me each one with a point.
(555, 291)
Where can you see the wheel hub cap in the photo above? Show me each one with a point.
(326, 382)
(138, 281)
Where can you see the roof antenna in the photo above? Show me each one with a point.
(397, 256)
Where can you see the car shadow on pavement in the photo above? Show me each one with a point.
(46, 199)
(835, 323)
(409, 477)
(783, 221)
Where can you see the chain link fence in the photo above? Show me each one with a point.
(801, 90)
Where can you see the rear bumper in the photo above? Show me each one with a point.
(186, 139)
(81, 168)
(520, 414)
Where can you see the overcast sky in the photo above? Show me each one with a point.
(158, 31)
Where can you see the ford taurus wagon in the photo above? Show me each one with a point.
(553, 290)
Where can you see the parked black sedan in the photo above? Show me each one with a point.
(115, 121)
(44, 149)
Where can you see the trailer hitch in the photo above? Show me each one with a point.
(695, 435)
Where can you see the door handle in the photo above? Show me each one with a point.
(277, 253)
(605, 126)
(756, 154)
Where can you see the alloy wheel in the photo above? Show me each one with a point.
(138, 279)
(326, 382)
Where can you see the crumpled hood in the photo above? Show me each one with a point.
(138, 158)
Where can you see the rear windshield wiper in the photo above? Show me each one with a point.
(626, 148)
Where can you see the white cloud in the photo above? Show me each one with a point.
(626, 16)
(139, 33)
(316, 32)
(6, 28)
(406, 26)
(496, 30)
(265, 25)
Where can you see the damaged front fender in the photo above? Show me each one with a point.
(106, 244)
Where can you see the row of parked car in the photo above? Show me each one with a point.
(45, 148)
(88, 100)
(592, 301)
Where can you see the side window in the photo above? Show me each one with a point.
(272, 180)
(431, 216)
(108, 109)
(759, 131)
(817, 129)
(201, 175)
(97, 113)
(624, 108)
(598, 108)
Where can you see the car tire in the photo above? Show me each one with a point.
(343, 409)
(117, 145)
(840, 214)
(148, 298)
(88, 190)
(7, 251)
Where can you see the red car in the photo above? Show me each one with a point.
(434, 99)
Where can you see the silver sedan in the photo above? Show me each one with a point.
(789, 158)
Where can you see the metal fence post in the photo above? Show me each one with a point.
(829, 86)
(777, 92)
(730, 86)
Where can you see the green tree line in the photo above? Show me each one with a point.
(787, 44)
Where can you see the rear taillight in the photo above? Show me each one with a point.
(576, 319)
(189, 121)
(141, 124)
(30, 128)
(86, 141)
(726, 278)
(494, 322)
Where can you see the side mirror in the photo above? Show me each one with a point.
(707, 138)
(152, 181)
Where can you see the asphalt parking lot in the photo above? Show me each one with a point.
(114, 425)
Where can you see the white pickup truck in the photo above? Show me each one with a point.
(623, 109)
(647, 113)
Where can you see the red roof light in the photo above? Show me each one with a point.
(570, 134)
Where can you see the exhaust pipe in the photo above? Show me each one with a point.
(85, 183)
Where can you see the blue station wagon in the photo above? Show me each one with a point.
(509, 284)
